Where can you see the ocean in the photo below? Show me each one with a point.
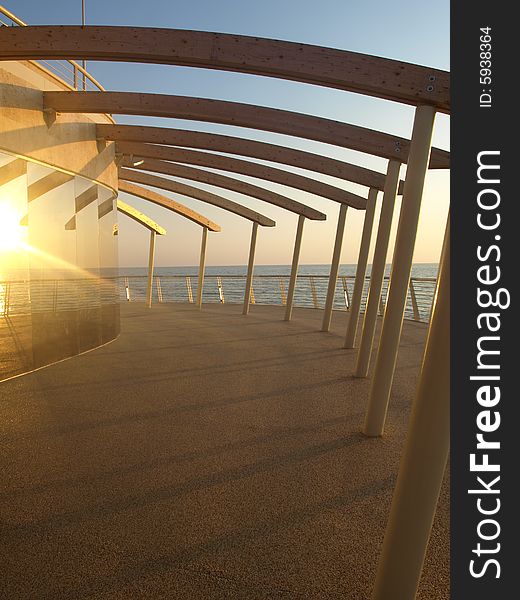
(270, 282)
(224, 284)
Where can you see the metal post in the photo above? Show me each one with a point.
(8, 299)
(315, 302)
(159, 289)
(189, 291)
(84, 62)
(418, 160)
(424, 459)
(151, 257)
(374, 299)
(220, 289)
(55, 297)
(294, 268)
(6, 304)
(415, 306)
(345, 293)
(283, 295)
(334, 268)
(381, 312)
(250, 267)
(361, 269)
(5, 299)
(202, 266)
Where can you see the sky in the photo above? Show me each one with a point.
(415, 31)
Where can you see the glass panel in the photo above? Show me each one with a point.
(87, 250)
(53, 264)
(108, 230)
(58, 263)
(15, 315)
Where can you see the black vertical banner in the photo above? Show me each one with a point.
(485, 242)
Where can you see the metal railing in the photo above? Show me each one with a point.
(310, 291)
(22, 296)
(68, 72)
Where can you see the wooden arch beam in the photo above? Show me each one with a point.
(140, 217)
(274, 120)
(340, 69)
(160, 200)
(228, 183)
(243, 167)
(243, 147)
(193, 192)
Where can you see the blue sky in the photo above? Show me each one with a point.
(410, 31)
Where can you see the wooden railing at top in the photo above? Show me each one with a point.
(76, 68)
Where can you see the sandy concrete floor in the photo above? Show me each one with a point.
(204, 455)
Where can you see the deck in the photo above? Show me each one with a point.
(204, 455)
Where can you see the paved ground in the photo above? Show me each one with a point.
(203, 456)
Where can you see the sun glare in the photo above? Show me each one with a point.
(12, 234)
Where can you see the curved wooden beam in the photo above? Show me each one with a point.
(350, 71)
(285, 122)
(140, 217)
(193, 192)
(235, 165)
(228, 183)
(243, 147)
(159, 199)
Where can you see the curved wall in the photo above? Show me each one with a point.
(28, 130)
(58, 229)
(58, 265)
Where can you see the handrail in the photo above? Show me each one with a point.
(22, 296)
(222, 276)
(77, 66)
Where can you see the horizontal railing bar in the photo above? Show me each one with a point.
(26, 296)
(76, 65)
(60, 71)
(207, 275)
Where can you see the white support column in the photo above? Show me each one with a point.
(418, 161)
(361, 269)
(151, 257)
(250, 267)
(294, 268)
(424, 459)
(334, 268)
(378, 268)
(202, 266)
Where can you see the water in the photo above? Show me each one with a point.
(418, 270)
(222, 284)
(227, 283)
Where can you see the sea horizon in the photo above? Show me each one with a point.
(318, 269)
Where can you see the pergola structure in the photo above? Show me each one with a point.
(174, 144)
(426, 89)
(160, 200)
(154, 229)
(129, 175)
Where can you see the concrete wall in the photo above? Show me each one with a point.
(68, 143)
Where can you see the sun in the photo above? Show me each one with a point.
(12, 234)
